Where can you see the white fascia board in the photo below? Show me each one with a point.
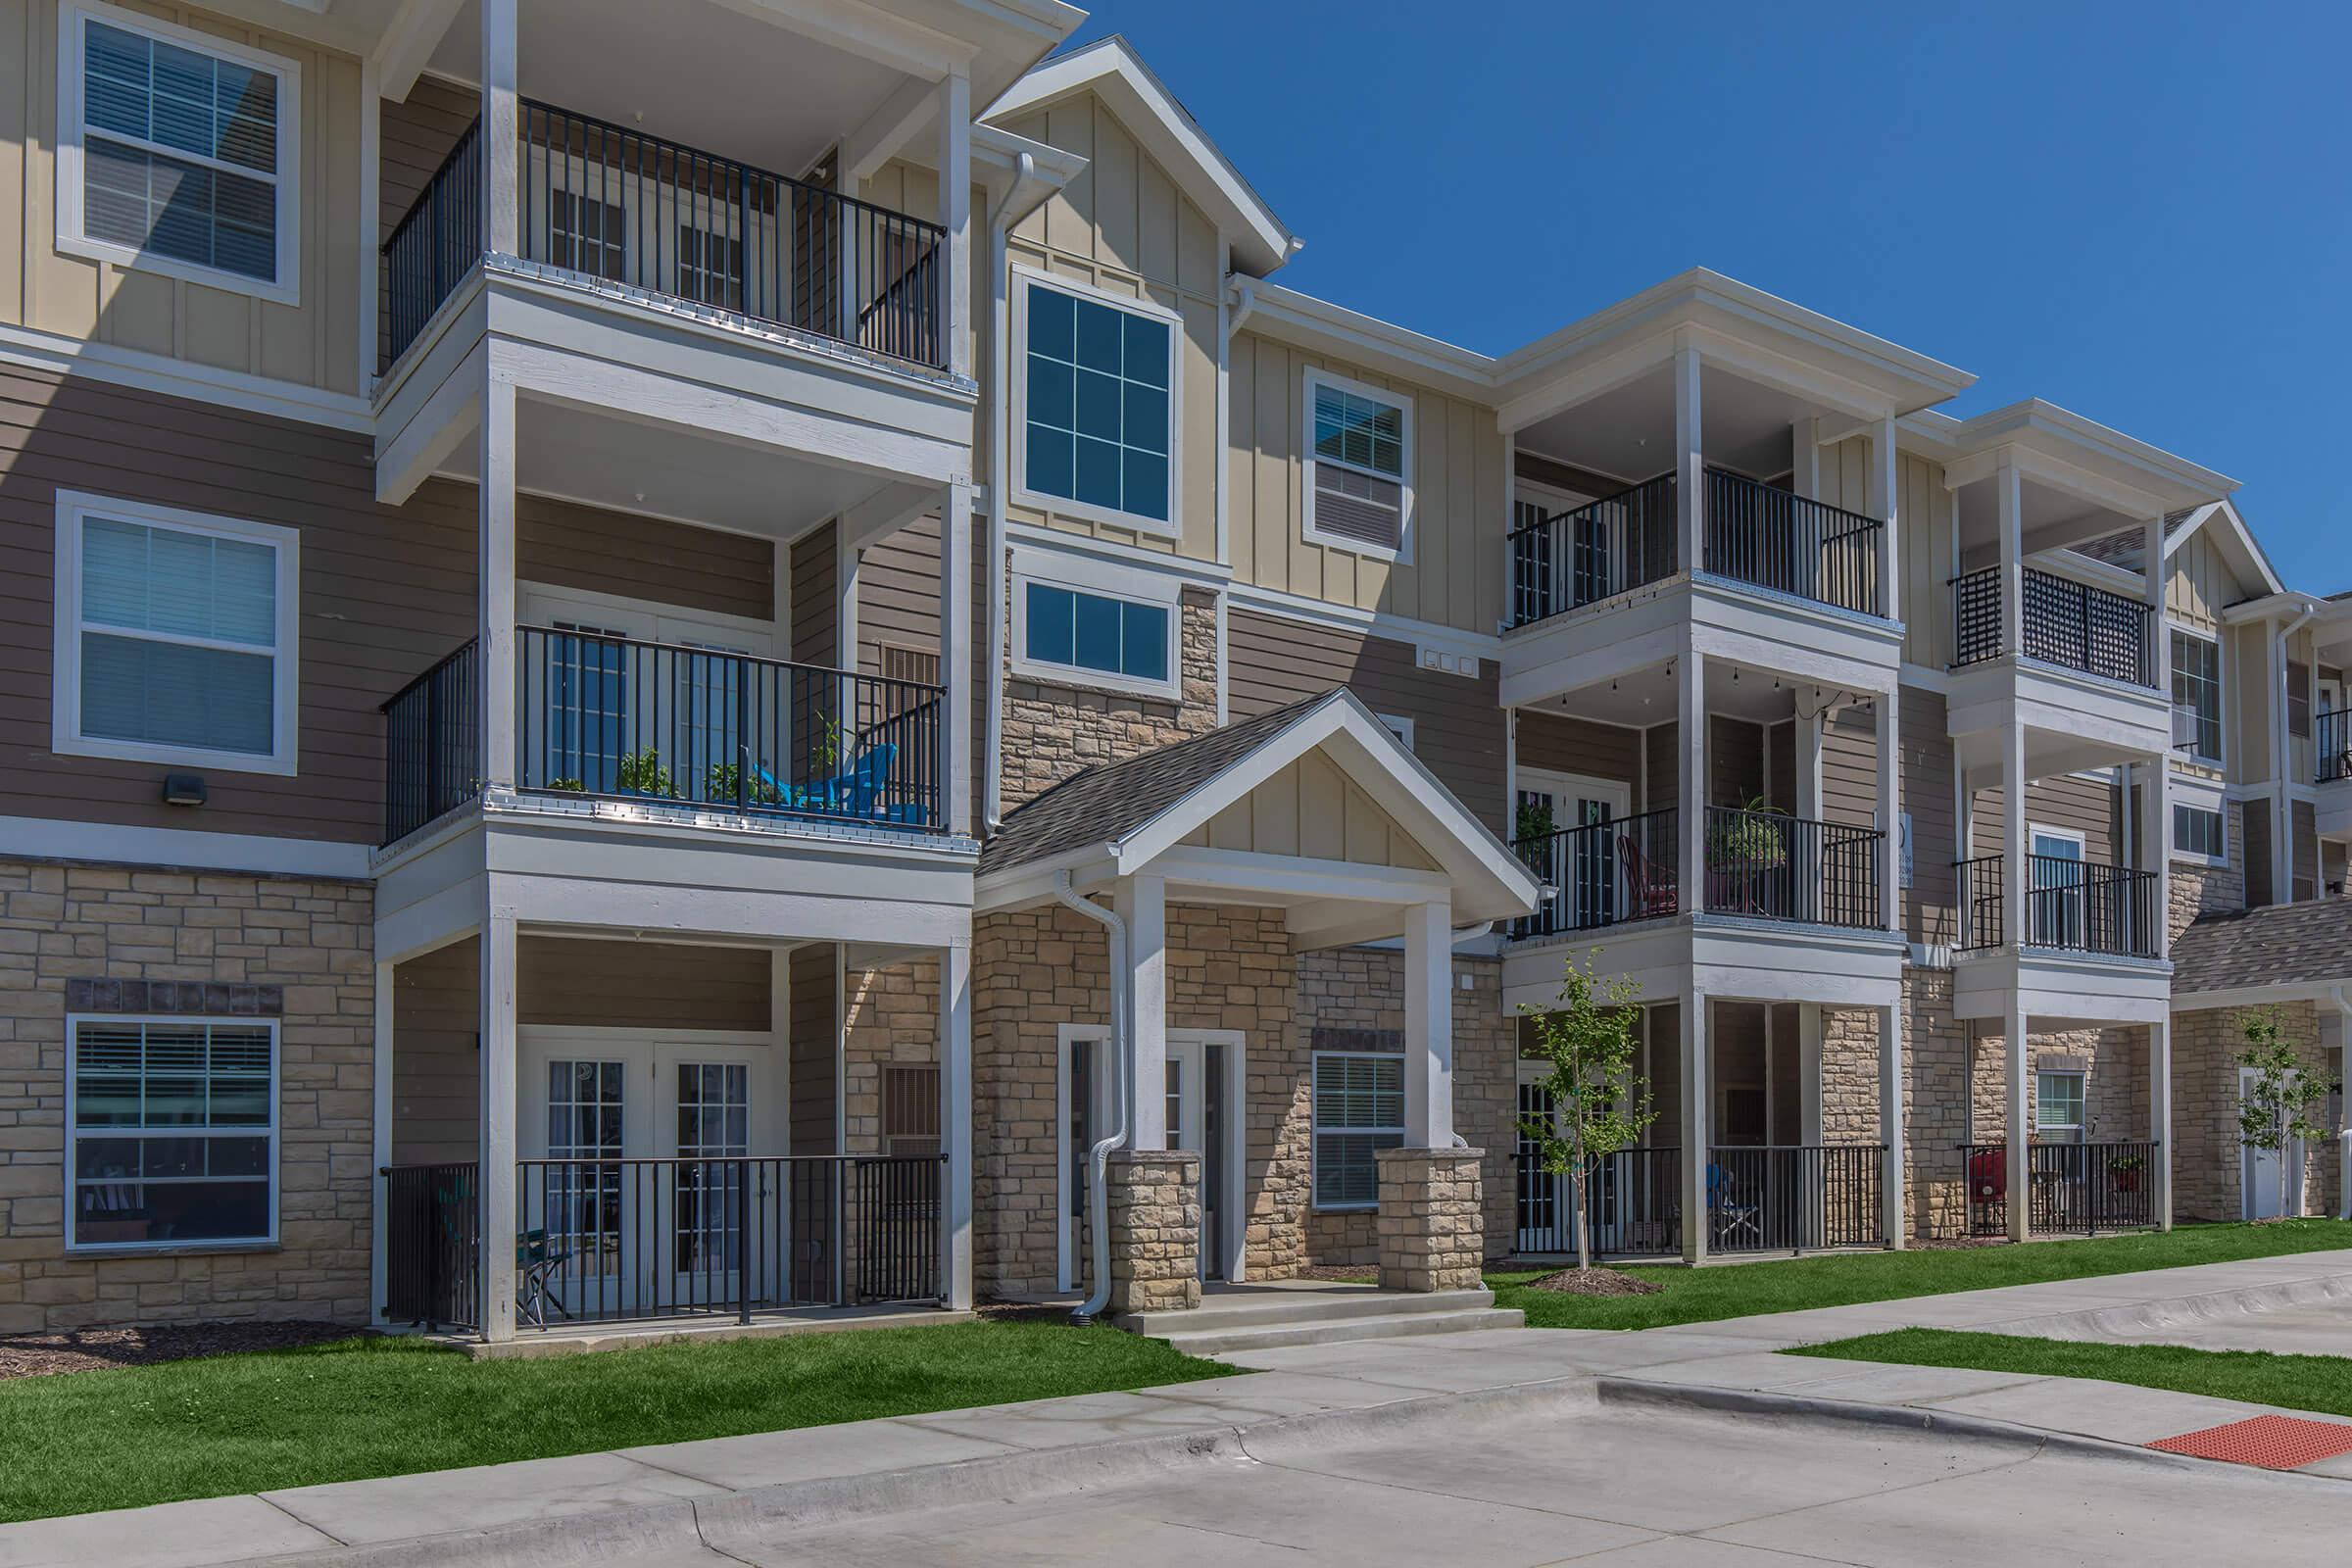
(2260, 995)
(1287, 314)
(1151, 114)
(2171, 481)
(42, 838)
(2075, 566)
(34, 349)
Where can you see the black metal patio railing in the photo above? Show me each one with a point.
(2066, 623)
(1796, 1197)
(604, 1239)
(1604, 873)
(1633, 1200)
(2072, 906)
(2331, 745)
(1778, 867)
(662, 724)
(2072, 1189)
(1754, 533)
(611, 204)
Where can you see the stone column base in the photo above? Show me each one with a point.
(1155, 1230)
(1433, 1232)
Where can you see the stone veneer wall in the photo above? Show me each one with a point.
(1054, 730)
(892, 1018)
(1432, 1219)
(238, 946)
(1155, 1221)
(1359, 993)
(2208, 1161)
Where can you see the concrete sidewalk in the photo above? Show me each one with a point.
(663, 1497)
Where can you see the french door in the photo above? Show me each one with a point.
(1583, 865)
(2055, 890)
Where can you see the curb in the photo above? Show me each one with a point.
(2154, 1317)
(1636, 1393)
(752, 1515)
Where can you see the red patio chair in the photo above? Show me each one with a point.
(1649, 892)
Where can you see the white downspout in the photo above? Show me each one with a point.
(999, 481)
(2283, 762)
(1098, 1157)
(2343, 1136)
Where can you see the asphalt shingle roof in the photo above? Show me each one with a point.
(2122, 547)
(2282, 945)
(1112, 800)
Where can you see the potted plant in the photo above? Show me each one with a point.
(1749, 837)
(2124, 1170)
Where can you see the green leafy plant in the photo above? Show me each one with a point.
(1535, 821)
(721, 781)
(1599, 1105)
(1754, 839)
(642, 773)
(2273, 1110)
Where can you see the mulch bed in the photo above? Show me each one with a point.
(34, 1355)
(1595, 1282)
(1340, 1273)
(1952, 1244)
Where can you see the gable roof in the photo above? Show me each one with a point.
(2295, 949)
(1111, 68)
(1122, 816)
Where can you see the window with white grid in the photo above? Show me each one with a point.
(172, 1132)
(1359, 1110)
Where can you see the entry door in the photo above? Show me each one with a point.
(2055, 895)
(1586, 867)
(577, 1206)
(1547, 1221)
(723, 1221)
(2258, 1168)
(1195, 1096)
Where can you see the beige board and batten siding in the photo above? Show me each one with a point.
(1310, 809)
(385, 593)
(313, 343)
(1457, 722)
(1923, 554)
(1451, 575)
(1124, 228)
(897, 616)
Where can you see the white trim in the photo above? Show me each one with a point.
(239, 1244)
(665, 623)
(2221, 695)
(2082, 1076)
(1400, 725)
(1314, 1126)
(41, 837)
(1027, 278)
(2210, 806)
(75, 507)
(285, 177)
(160, 374)
(1468, 645)
(1199, 574)
(1100, 580)
(1309, 381)
(1065, 1264)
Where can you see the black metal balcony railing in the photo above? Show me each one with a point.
(1775, 539)
(2331, 745)
(619, 718)
(2071, 904)
(601, 1239)
(2066, 623)
(1603, 875)
(1754, 533)
(1793, 1198)
(1780, 868)
(2073, 1188)
(623, 208)
(1633, 1200)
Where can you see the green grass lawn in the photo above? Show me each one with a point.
(2321, 1383)
(1742, 1290)
(365, 1408)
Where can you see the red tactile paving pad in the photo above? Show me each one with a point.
(2273, 1441)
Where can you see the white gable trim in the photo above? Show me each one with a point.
(1171, 137)
(2248, 547)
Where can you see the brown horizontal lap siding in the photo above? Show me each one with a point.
(1663, 791)
(1582, 747)
(572, 546)
(814, 1047)
(816, 597)
(1849, 767)
(417, 135)
(1926, 785)
(1734, 762)
(1457, 722)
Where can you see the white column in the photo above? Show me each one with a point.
(1890, 809)
(1697, 1085)
(380, 1124)
(1891, 1120)
(2009, 497)
(1690, 719)
(2156, 837)
(1689, 463)
(1429, 1026)
(2154, 575)
(955, 652)
(2016, 914)
(2021, 1114)
(1886, 502)
(2154, 804)
(1808, 1071)
(956, 215)
(1804, 457)
(1141, 901)
(495, 577)
(502, 132)
(2160, 1118)
(956, 1124)
(1808, 766)
(495, 1180)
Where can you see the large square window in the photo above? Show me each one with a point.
(1098, 417)
(2197, 696)
(1067, 628)
(173, 1133)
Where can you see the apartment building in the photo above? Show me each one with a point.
(844, 702)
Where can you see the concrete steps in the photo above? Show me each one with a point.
(1272, 1317)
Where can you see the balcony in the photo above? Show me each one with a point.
(662, 727)
(1761, 865)
(613, 208)
(1787, 1199)
(2074, 1189)
(1755, 535)
(2332, 746)
(2069, 625)
(2071, 906)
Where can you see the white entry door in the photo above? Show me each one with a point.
(2259, 1169)
(1189, 1114)
(722, 1228)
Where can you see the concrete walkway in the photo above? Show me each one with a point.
(677, 1498)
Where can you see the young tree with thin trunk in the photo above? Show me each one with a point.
(2274, 1109)
(1599, 1105)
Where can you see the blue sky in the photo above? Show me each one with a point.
(2142, 212)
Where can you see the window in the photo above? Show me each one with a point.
(2298, 700)
(910, 1110)
(1399, 726)
(1358, 479)
(2199, 830)
(1359, 1110)
(176, 637)
(2197, 696)
(172, 1128)
(2055, 888)
(1069, 630)
(710, 267)
(1098, 407)
(2058, 1106)
(589, 237)
(176, 153)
